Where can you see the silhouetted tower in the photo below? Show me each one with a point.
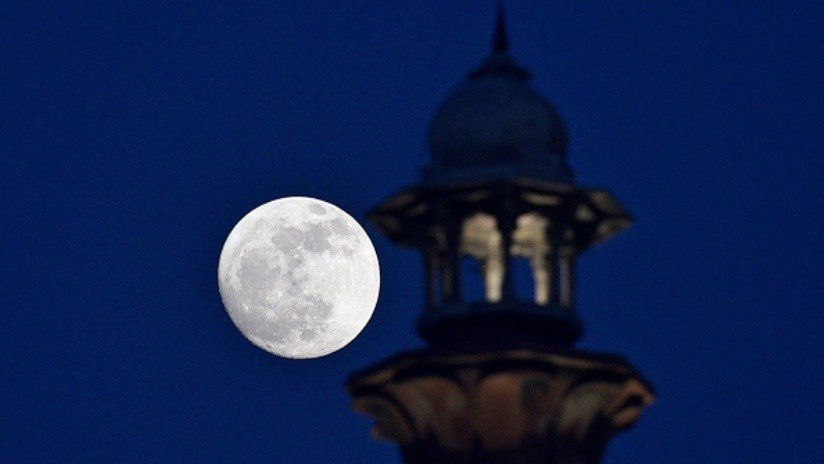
(499, 381)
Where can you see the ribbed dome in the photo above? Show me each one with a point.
(495, 124)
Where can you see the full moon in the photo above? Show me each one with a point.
(299, 277)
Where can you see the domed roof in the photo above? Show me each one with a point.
(495, 125)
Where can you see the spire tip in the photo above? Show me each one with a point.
(500, 43)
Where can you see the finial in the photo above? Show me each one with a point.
(500, 43)
(499, 63)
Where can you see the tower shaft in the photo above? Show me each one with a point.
(499, 381)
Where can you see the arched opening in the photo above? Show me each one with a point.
(472, 279)
(530, 243)
(539, 270)
(523, 281)
(481, 242)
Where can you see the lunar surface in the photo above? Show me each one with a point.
(299, 277)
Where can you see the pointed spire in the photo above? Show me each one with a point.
(500, 63)
(500, 42)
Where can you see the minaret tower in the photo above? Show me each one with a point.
(499, 381)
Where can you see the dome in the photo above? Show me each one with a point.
(495, 124)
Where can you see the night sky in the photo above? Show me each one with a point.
(134, 135)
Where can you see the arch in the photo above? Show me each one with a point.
(481, 240)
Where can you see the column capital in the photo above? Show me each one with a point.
(508, 406)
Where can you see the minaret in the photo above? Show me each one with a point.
(499, 381)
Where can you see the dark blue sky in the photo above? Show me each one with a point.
(133, 135)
